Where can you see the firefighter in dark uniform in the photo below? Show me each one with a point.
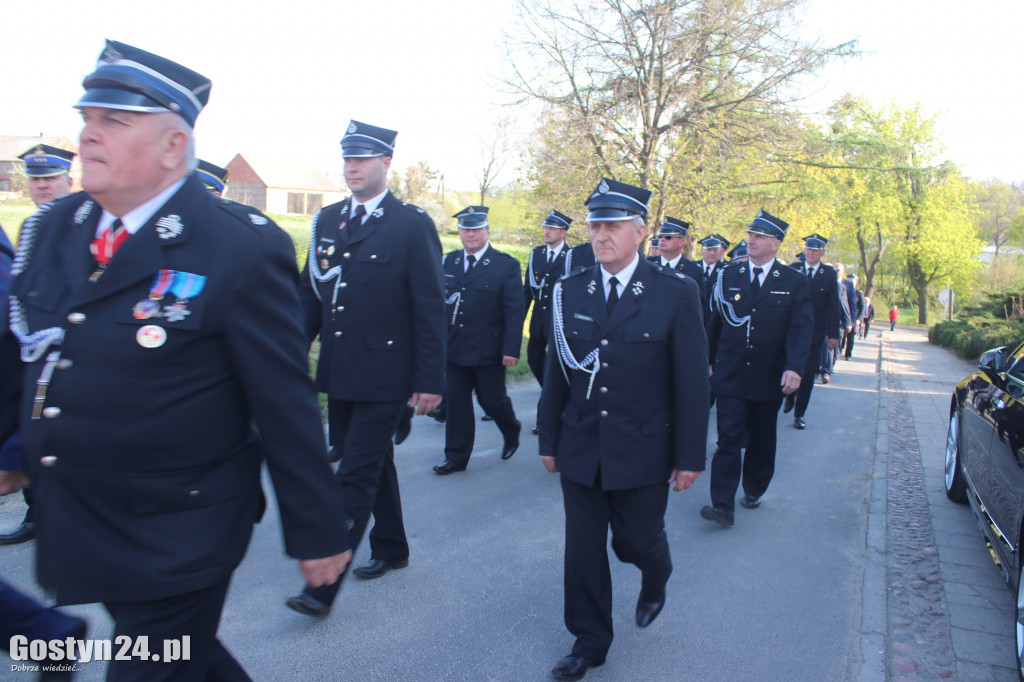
(671, 236)
(47, 168)
(372, 291)
(159, 325)
(713, 248)
(545, 266)
(759, 334)
(738, 252)
(615, 440)
(824, 285)
(485, 333)
(214, 178)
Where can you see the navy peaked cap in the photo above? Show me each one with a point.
(613, 201)
(674, 226)
(714, 241)
(214, 177)
(557, 219)
(738, 251)
(363, 140)
(767, 224)
(815, 241)
(473, 218)
(131, 79)
(44, 161)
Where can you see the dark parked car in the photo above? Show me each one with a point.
(985, 462)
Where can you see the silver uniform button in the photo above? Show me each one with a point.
(604, 365)
(344, 284)
(336, 334)
(604, 413)
(340, 308)
(346, 255)
(48, 461)
(51, 412)
(193, 493)
(604, 389)
(64, 363)
(391, 343)
(76, 318)
(646, 335)
(604, 342)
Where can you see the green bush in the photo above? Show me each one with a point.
(972, 336)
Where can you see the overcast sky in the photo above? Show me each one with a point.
(288, 76)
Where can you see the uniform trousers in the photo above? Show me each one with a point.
(460, 425)
(637, 520)
(22, 615)
(803, 394)
(755, 468)
(369, 481)
(536, 352)
(196, 614)
(851, 336)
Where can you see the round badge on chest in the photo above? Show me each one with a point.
(151, 336)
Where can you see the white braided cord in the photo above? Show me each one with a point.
(590, 365)
(33, 344)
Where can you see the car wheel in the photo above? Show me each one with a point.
(956, 487)
(1020, 622)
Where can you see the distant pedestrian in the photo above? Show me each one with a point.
(869, 314)
(894, 315)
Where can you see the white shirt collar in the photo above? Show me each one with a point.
(671, 263)
(623, 276)
(478, 255)
(557, 250)
(134, 219)
(370, 205)
(764, 269)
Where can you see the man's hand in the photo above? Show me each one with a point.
(549, 464)
(790, 381)
(12, 482)
(509, 361)
(683, 479)
(320, 572)
(425, 402)
(833, 343)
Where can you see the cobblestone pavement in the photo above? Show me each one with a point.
(948, 611)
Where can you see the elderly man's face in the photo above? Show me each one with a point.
(616, 242)
(474, 240)
(125, 155)
(813, 256)
(713, 254)
(44, 190)
(761, 248)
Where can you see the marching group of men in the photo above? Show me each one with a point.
(164, 333)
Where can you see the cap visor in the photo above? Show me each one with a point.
(124, 100)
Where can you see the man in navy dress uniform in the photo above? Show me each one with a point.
(824, 292)
(618, 441)
(47, 169)
(713, 248)
(485, 333)
(759, 334)
(545, 266)
(158, 325)
(372, 291)
(671, 237)
(213, 177)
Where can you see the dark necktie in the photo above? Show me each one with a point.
(551, 256)
(810, 273)
(613, 294)
(707, 270)
(472, 262)
(356, 220)
(755, 284)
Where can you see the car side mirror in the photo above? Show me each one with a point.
(993, 360)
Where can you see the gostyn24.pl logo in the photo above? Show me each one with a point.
(73, 650)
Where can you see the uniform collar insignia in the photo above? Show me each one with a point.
(83, 212)
(742, 270)
(775, 274)
(485, 261)
(638, 288)
(592, 287)
(377, 212)
(168, 227)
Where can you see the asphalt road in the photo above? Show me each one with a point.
(797, 590)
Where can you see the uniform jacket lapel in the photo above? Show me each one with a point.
(141, 255)
(75, 258)
(593, 298)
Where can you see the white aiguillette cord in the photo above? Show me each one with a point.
(590, 364)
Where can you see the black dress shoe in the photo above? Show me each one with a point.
(647, 611)
(509, 449)
(308, 605)
(800, 423)
(23, 533)
(574, 667)
(788, 404)
(487, 418)
(719, 514)
(750, 502)
(446, 468)
(404, 425)
(375, 568)
(536, 430)
(438, 414)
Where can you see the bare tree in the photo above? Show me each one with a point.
(496, 150)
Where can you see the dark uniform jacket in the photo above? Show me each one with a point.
(145, 462)
(824, 291)
(486, 318)
(692, 270)
(10, 366)
(544, 276)
(647, 412)
(382, 321)
(750, 365)
(580, 257)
